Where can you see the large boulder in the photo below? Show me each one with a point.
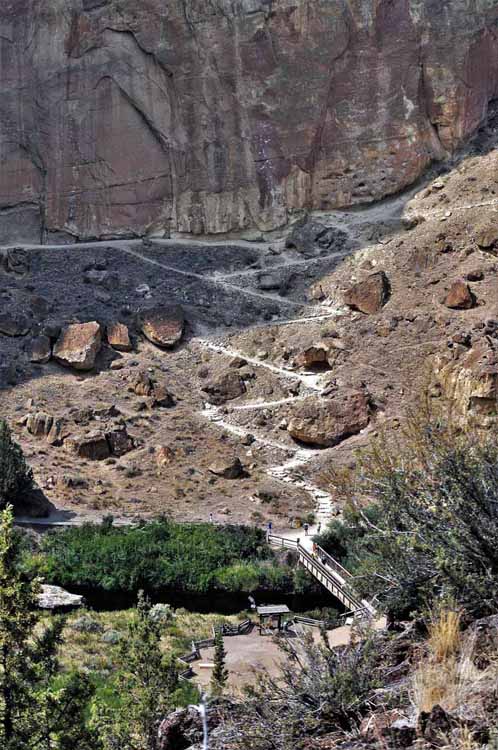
(163, 324)
(460, 296)
(308, 236)
(57, 599)
(93, 445)
(328, 421)
(118, 439)
(118, 336)
(314, 356)
(39, 424)
(224, 388)
(370, 295)
(487, 237)
(78, 345)
(43, 425)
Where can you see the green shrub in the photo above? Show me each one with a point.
(16, 478)
(434, 531)
(240, 577)
(161, 556)
(319, 690)
(344, 539)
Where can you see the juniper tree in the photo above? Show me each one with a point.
(16, 478)
(145, 690)
(36, 713)
(219, 676)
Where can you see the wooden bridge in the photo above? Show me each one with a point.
(331, 574)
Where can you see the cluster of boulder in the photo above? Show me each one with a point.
(79, 434)
(371, 294)
(77, 345)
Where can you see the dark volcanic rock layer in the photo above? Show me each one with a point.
(120, 117)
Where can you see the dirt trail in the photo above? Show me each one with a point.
(313, 382)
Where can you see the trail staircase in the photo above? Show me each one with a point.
(330, 573)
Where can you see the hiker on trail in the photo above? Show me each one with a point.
(319, 527)
(210, 518)
(270, 526)
(306, 528)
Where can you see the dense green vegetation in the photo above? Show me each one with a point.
(164, 556)
(39, 709)
(16, 478)
(147, 688)
(431, 529)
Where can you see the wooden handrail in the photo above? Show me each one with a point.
(328, 572)
(281, 541)
(351, 600)
(332, 562)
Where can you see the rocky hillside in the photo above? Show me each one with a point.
(212, 116)
(226, 379)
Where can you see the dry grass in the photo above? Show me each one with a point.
(465, 741)
(90, 650)
(447, 676)
(445, 635)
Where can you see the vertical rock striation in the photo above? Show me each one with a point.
(210, 116)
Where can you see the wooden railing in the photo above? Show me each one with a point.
(330, 573)
(281, 541)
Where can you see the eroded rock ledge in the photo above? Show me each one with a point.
(215, 116)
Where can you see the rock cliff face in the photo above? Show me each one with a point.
(120, 117)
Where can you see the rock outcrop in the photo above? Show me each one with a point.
(469, 382)
(225, 387)
(370, 295)
(327, 422)
(214, 116)
(78, 345)
(162, 324)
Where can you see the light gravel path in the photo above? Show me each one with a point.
(313, 382)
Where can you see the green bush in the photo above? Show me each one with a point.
(162, 555)
(433, 532)
(344, 539)
(318, 691)
(16, 478)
